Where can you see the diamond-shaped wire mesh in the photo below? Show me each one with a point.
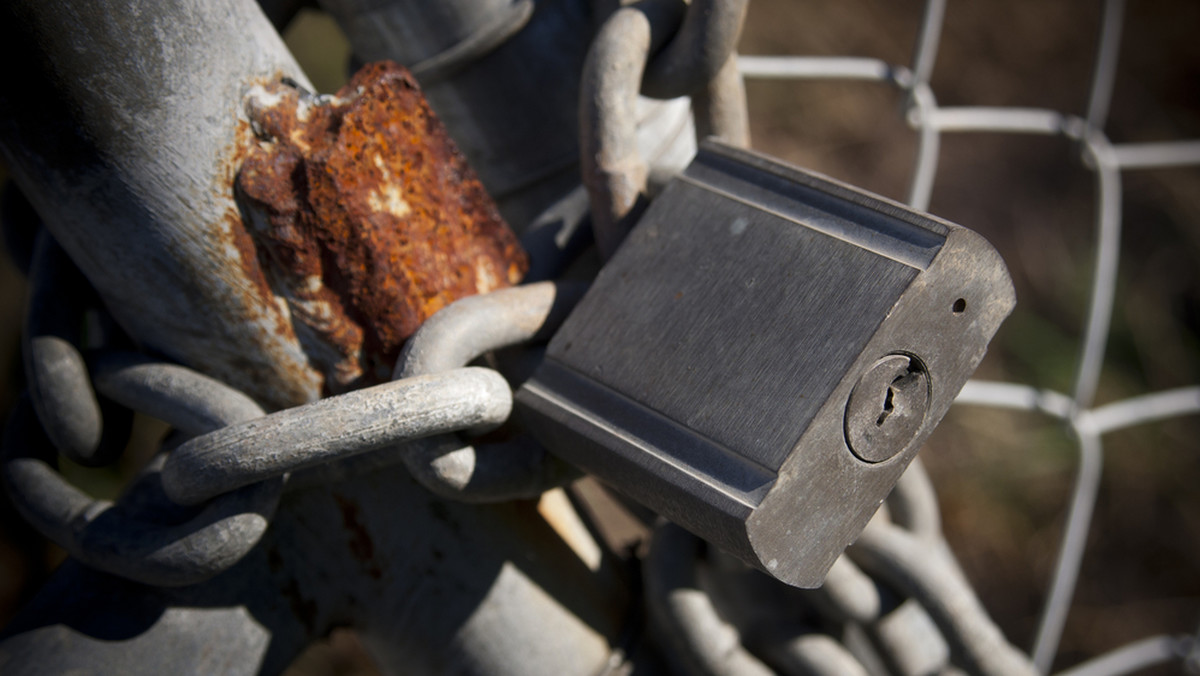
(1086, 404)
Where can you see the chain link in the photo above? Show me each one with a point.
(466, 330)
(898, 586)
(896, 600)
(144, 536)
(57, 375)
(196, 510)
(619, 61)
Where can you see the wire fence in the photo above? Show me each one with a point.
(1087, 421)
(1076, 408)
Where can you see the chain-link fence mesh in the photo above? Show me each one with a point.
(1003, 75)
(1091, 194)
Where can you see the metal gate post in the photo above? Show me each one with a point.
(124, 124)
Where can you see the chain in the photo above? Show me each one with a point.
(206, 499)
(618, 63)
(896, 600)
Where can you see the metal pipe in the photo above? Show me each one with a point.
(211, 628)
(513, 111)
(125, 130)
(124, 126)
(484, 66)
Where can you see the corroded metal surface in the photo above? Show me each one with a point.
(367, 219)
(125, 128)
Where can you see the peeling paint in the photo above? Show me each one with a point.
(367, 219)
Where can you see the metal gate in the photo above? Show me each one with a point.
(130, 127)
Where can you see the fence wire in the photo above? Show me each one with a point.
(1087, 421)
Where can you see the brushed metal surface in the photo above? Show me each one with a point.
(707, 371)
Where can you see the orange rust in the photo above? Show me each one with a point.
(368, 219)
(362, 547)
(247, 254)
(276, 380)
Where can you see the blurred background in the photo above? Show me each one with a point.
(1004, 478)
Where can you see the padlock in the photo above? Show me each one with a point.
(764, 355)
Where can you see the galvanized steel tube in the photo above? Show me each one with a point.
(123, 124)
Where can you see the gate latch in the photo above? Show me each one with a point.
(765, 354)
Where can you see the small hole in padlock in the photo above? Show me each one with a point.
(888, 406)
(959, 306)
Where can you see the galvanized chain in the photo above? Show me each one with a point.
(197, 509)
(899, 585)
(697, 58)
(144, 536)
(59, 386)
(896, 599)
(208, 496)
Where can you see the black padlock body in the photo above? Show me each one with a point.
(708, 371)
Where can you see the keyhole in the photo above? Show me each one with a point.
(900, 383)
(887, 404)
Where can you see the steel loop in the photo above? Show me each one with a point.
(898, 589)
(928, 573)
(913, 504)
(908, 639)
(700, 638)
(850, 593)
(143, 537)
(698, 60)
(457, 335)
(720, 107)
(816, 654)
(59, 386)
(334, 428)
(613, 169)
(189, 401)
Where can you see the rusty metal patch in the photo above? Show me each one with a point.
(366, 218)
